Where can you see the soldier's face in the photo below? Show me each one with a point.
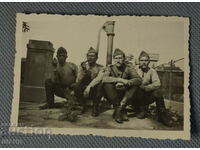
(144, 62)
(119, 60)
(61, 58)
(128, 59)
(91, 57)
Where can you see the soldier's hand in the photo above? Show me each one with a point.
(120, 86)
(72, 93)
(124, 81)
(142, 86)
(86, 92)
(83, 65)
(55, 62)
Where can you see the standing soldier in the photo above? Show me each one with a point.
(88, 70)
(119, 82)
(149, 91)
(59, 84)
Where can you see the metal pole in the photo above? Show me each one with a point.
(109, 49)
(109, 28)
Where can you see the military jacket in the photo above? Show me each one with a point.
(94, 70)
(150, 79)
(111, 73)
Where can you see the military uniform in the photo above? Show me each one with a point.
(151, 87)
(85, 68)
(86, 73)
(111, 75)
(150, 92)
(118, 86)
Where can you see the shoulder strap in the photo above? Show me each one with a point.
(123, 72)
(112, 71)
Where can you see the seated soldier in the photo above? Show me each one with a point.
(149, 91)
(129, 60)
(59, 83)
(118, 84)
(87, 71)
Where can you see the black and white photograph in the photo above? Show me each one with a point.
(102, 75)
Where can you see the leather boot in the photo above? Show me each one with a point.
(84, 108)
(95, 111)
(143, 113)
(117, 115)
(82, 102)
(124, 115)
(46, 106)
(49, 95)
(49, 106)
(163, 117)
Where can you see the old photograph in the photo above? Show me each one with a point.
(100, 75)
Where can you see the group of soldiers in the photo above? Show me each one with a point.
(121, 83)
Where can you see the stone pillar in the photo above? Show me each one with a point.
(38, 68)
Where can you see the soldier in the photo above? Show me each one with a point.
(88, 70)
(59, 84)
(118, 84)
(149, 90)
(129, 60)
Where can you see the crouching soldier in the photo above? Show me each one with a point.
(62, 78)
(149, 91)
(87, 71)
(129, 60)
(118, 84)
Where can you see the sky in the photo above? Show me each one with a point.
(132, 35)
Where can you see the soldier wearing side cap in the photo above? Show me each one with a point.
(149, 91)
(88, 70)
(129, 60)
(118, 83)
(59, 84)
